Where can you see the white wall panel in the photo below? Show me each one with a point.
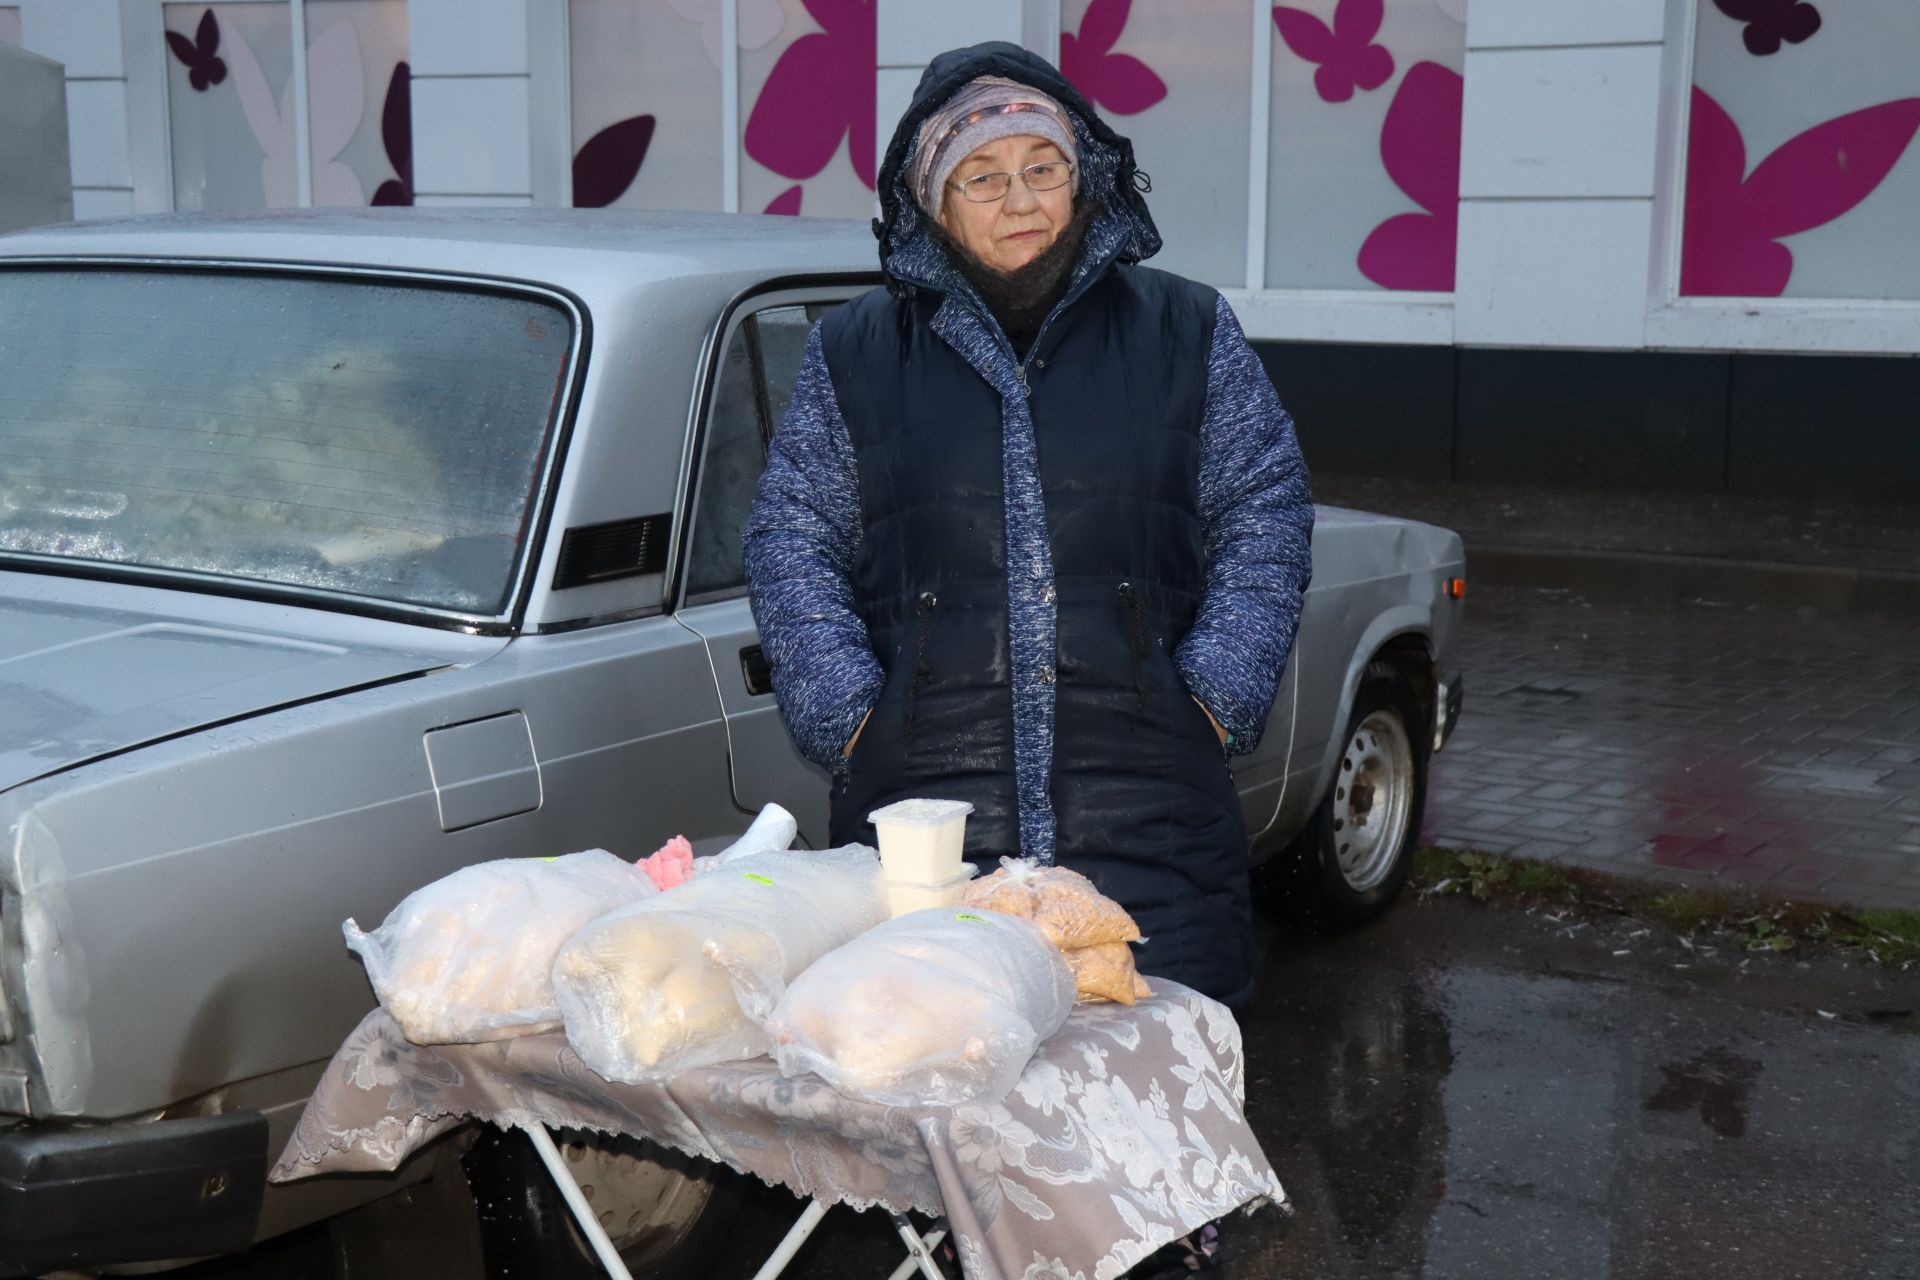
(910, 32)
(97, 133)
(92, 203)
(1560, 122)
(1553, 273)
(893, 91)
(472, 202)
(471, 136)
(82, 34)
(1501, 23)
(468, 37)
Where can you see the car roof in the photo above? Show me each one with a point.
(573, 249)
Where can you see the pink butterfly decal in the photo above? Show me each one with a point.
(820, 91)
(1771, 21)
(1119, 82)
(609, 162)
(200, 54)
(1420, 147)
(1734, 219)
(787, 202)
(1346, 55)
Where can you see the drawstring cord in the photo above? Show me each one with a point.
(921, 671)
(1137, 640)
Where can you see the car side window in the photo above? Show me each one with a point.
(752, 393)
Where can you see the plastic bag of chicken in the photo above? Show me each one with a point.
(936, 1007)
(684, 979)
(468, 957)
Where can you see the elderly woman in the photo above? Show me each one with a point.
(1034, 532)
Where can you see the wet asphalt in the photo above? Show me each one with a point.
(1487, 1092)
(1479, 1091)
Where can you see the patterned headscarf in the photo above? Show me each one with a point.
(984, 110)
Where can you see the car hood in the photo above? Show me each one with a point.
(79, 682)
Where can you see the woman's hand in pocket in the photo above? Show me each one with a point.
(848, 749)
(1218, 730)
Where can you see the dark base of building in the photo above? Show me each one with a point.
(1800, 426)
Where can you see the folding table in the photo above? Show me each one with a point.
(1125, 1132)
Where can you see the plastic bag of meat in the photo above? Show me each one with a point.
(684, 979)
(937, 1007)
(468, 957)
(1105, 971)
(671, 865)
(1065, 904)
(1092, 929)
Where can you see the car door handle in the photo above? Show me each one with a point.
(757, 671)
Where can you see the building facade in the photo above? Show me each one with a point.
(1666, 242)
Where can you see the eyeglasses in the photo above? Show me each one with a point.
(985, 188)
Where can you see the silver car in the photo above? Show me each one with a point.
(340, 550)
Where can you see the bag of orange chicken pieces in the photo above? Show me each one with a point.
(1091, 929)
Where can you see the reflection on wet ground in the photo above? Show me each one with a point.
(1478, 1093)
(1468, 1092)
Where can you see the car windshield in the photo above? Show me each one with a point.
(368, 437)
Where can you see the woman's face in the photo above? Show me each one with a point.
(1009, 233)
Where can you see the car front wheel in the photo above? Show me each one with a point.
(1354, 856)
(666, 1213)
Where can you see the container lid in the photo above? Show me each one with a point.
(921, 813)
(968, 872)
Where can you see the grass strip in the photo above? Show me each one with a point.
(1738, 915)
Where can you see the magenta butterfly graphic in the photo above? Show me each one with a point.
(787, 202)
(1420, 147)
(609, 161)
(1119, 82)
(1771, 21)
(1734, 219)
(199, 55)
(1346, 54)
(820, 91)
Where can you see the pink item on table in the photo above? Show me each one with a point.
(669, 865)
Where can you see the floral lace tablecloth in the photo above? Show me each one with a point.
(1125, 1131)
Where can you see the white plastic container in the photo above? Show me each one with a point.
(906, 896)
(921, 840)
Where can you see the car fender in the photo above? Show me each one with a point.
(1312, 764)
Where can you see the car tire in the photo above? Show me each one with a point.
(1349, 863)
(667, 1213)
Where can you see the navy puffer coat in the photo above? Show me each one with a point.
(1028, 571)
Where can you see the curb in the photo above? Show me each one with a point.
(1664, 579)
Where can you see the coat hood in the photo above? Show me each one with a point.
(1124, 231)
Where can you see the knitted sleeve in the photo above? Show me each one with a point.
(801, 541)
(1257, 512)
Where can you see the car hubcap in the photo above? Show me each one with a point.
(646, 1204)
(1372, 800)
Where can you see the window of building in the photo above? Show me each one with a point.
(807, 141)
(646, 84)
(1803, 174)
(1174, 76)
(1363, 157)
(235, 103)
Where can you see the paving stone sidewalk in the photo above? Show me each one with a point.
(1802, 532)
(1698, 743)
